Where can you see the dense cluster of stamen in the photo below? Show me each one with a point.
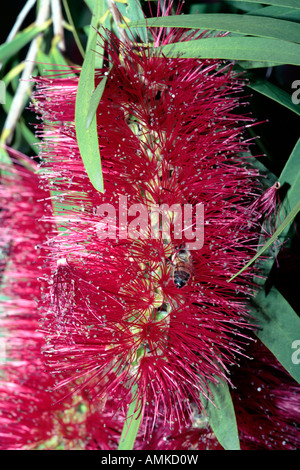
(167, 137)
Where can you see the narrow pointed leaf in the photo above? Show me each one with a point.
(279, 328)
(8, 49)
(94, 102)
(57, 58)
(4, 157)
(90, 4)
(277, 12)
(281, 3)
(242, 24)
(251, 64)
(246, 6)
(221, 417)
(237, 48)
(135, 12)
(286, 223)
(275, 93)
(43, 63)
(74, 30)
(291, 175)
(49, 64)
(88, 138)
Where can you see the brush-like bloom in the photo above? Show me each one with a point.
(145, 303)
(26, 412)
(32, 415)
(266, 401)
(267, 407)
(23, 396)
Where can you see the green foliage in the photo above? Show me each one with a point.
(134, 11)
(243, 24)
(282, 227)
(221, 415)
(279, 327)
(277, 12)
(94, 101)
(275, 93)
(9, 49)
(87, 136)
(282, 3)
(237, 48)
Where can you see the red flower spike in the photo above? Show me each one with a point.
(26, 412)
(266, 402)
(32, 414)
(168, 136)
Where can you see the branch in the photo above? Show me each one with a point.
(23, 89)
(57, 17)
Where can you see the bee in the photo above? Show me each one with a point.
(182, 267)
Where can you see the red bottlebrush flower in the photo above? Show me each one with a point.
(266, 400)
(32, 415)
(22, 390)
(132, 301)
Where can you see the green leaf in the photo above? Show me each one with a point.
(56, 57)
(52, 63)
(281, 3)
(90, 4)
(43, 63)
(279, 327)
(8, 49)
(284, 225)
(94, 102)
(237, 48)
(4, 157)
(277, 12)
(221, 416)
(199, 8)
(241, 24)
(13, 76)
(206, 7)
(245, 64)
(131, 425)
(268, 177)
(134, 12)
(30, 138)
(244, 6)
(291, 175)
(74, 30)
(105, 22)
(273, 92)
(88, 138)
